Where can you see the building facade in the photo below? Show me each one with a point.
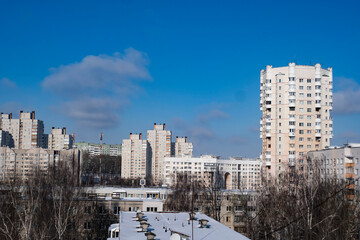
(26, 132)
(182, 147)
(340, 163)
(160, 145)
(136, 159)
(23, 163)
(95, 149)
(233, 173)
(58, 139)
(296, 102)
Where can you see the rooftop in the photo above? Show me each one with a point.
(164, 225)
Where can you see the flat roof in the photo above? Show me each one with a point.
(176, 222)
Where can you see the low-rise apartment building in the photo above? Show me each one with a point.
(234, 173)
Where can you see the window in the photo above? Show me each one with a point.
(308, 102)
(228, 208)
(308, 131)
(308, 116)
(308, 146)
(301, 146)
(301, 139)
(301, 102)
(228, 219)
(309, 110)
(301, 131)
(279, 87)
(308, 95)
(308, 124)
(309, 80)
(301, 87)
(301, 124)
(279, 80)
(301, 80)
(308, 88)
(301, 110)
(301, 95)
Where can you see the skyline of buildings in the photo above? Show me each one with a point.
(296, 102)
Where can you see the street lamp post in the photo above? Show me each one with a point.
(192, 218)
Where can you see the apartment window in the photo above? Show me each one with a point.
(308, 117)
(309, 80)
(228, 208)
(228, 219)
(308, 139)
(279, 138)
(301, 139)
(309, 110)
(279, 87)
(308, 131)
(308, 146)
(292, 145)
(301, 124)
(279, 102)
(301, 80)
(301, 146)
(308, 124)
(308, 102)
(301, 102)
(301, 95)
(301, 131)
(301, 87)
(301, 117)
(301, 110)
(279, 109)
(308, 88)
(279, 80)
(308, 95)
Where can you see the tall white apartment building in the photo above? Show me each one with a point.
(58, 139)
(160, 145)
(135, 157)
(27, 132)
(296, 102)
(183, 147)
(233, 173)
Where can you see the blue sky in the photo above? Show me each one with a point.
(119, 66)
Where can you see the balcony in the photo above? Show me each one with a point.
(268, 106)
(317, 90)
(268, 120)
(318, 98)
(261, 129)
(292, 90)
(291, 134)
(317, 134)
(268, 99)
(317, 105)
(268, 162)
(318, 127)
(268, 134)
(261, 122)
(291, 119)
(292, 104)
(291, 164)
(292, 157)
(291, 126)
(292, 97)
(267, 91)
(318, 120)
(268, 127)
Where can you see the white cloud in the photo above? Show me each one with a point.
(347, 98)
(7, 83)
(95, 89)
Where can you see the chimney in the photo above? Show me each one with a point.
(10, 116)
(186, 139)
(64, 130)
(33, 115)
(140, 136)
(164, 126)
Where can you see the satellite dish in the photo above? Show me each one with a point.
(175, 236)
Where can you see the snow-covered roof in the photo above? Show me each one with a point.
(163, 224)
